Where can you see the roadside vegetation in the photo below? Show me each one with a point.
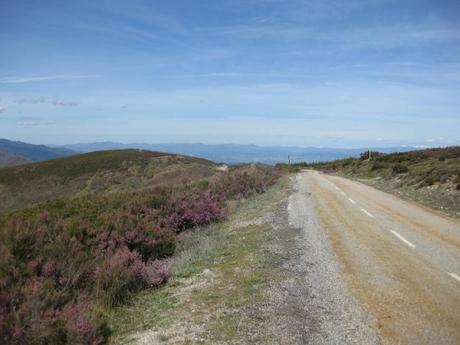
(430, 176)
(220, 291)
(67, 262)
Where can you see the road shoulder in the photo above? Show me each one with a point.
(336, 317)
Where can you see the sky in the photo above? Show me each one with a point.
(352, 73)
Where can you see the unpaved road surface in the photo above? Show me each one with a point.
(378, 269)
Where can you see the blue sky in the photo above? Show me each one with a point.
(271, 72)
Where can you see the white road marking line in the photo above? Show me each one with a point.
(336, 188)
(403, 239)
(343, 193)
(455, 276)
(367, 213)
(352, 201)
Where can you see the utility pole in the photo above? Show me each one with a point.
(370, 154)
(289, 159)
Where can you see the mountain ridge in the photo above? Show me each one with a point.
(34, 153)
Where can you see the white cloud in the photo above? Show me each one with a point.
(15, 80)
(2, 109)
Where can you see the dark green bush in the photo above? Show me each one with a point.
(399, 169)
(377, 165)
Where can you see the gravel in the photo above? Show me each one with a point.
(312, 302)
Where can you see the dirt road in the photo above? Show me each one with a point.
(399, 262)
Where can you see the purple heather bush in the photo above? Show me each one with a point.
(185, 211)
(64, 261)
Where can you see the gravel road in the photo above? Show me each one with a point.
(333, 314)
(378, 269)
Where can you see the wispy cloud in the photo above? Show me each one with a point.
(209, 75)
(2, 109)
(18, 80)
(65, 103)
(36, 123)
(39, 100)
(30, 100)
(219, 75)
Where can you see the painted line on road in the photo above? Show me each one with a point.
(352, 201)
(403, 239)
(343, 193)
(455, 276)
(367, 213)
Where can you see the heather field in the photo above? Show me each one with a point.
(67, 261)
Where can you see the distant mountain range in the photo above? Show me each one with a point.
(30, 152)
(16, 152)
(234, 153)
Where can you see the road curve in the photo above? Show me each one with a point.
(400, 260)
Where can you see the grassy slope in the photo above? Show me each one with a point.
(431, 176)
(95, 173)
(221, 276)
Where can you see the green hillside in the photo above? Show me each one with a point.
(8, 159)
(95, 173)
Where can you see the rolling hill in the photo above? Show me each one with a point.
(93, 173)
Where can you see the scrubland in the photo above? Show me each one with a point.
(77, 252)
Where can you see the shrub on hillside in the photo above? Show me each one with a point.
(399, 169)
(377, 165)
(186, 211)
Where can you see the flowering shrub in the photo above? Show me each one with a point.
(184, 211)
(62, 261)
(83, 326)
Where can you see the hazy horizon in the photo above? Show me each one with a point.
(51, 144)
